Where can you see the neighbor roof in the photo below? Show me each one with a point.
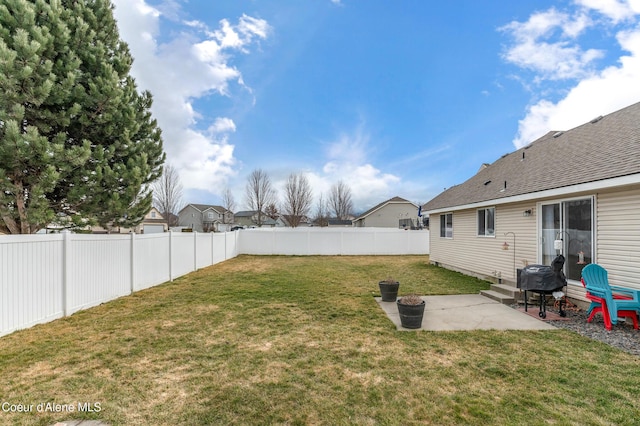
(203, 207)
(246, 213)
(392, 200)
(606, 147)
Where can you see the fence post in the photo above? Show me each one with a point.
(66, 268)
(170, 255)
(133, 262)
(195, 251)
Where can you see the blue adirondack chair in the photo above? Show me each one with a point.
(612, 301)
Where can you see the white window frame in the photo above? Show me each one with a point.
(486, 224)
(563, 234)
(448, 235)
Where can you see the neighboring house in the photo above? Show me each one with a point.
(205, 218)
(152, 223)
(394, 213)
(249, 219)
(303, 221)
(339, 223)
(580, 187)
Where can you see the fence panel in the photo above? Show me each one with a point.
(182, 253)
(419, 242)
(31, 274)
(204, 249)
(100, 269)
(291, 241)
(256, 241)
(325, 242)
(333, 241)
(360, 241)
(152, 264)
(219, 247)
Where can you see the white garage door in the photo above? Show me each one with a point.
(153, 229)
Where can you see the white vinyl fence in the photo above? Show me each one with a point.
(333, 241)
(44, 277)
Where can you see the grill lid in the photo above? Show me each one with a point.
(542, 277)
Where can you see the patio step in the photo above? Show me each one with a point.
(503, 293)
(500, 297)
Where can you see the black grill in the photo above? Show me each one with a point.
(543, 280)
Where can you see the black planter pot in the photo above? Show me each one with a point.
(411, 315)
(389, 291)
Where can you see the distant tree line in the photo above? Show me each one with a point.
(297, 199)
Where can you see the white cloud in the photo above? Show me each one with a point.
(348, 160)
(608, 90)
(222, 125)
(613, 9)
(556, 60)
(193, 64)
(548, 44)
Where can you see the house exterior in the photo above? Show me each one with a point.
(339, 223)
(393, 213)
(287, 220)
(205, 218)
(249, 219)
(577, 190)
(153, 223)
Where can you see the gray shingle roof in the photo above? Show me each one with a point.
(376, 207)
(604, 148)
(203, 207)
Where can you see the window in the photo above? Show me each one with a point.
(486, 222)
(210, 215)
(446, 225)
(153, 215)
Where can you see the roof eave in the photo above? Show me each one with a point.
(369, 213)
(556, 192)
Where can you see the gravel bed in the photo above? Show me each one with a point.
(622, 335)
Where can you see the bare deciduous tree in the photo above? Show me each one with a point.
(340, 202)
(259, 192)
(272, 211)
(297, 198)
(229, 203)
(321, 216)
(167, 194)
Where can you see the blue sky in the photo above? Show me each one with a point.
(395, 98)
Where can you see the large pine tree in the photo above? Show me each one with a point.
(77, 140)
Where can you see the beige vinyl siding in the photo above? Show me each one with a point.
(484, 256)
(618, 236)
(389, 215)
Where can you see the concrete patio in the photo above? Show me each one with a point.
(467, 312)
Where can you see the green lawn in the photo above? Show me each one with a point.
(301, 340)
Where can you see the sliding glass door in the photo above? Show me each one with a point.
(571, 223)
